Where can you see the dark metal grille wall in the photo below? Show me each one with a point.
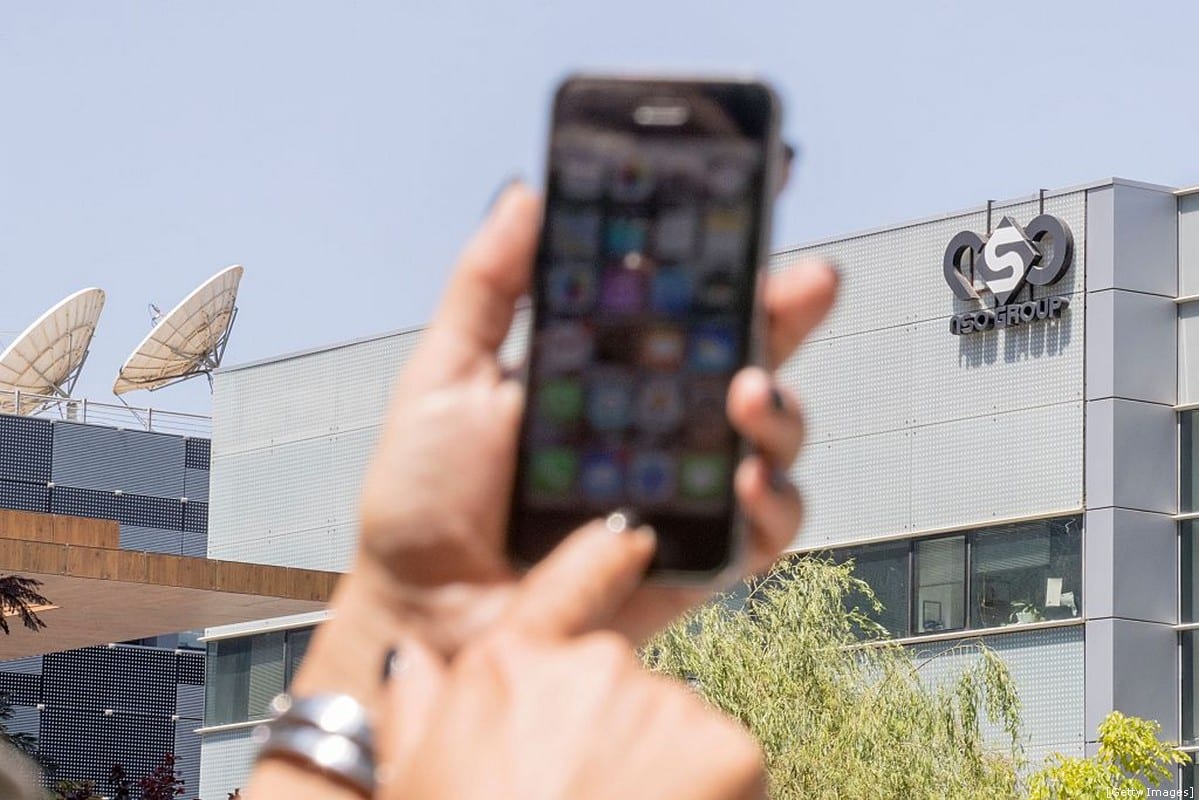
(100, 706)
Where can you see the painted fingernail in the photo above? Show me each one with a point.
(391, 664)
(778, 481)
(621, 521)
(776, 400)
(499, 192)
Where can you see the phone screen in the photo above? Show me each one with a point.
(644, 292)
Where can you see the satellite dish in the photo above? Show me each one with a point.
(44, 361)
(187, 341)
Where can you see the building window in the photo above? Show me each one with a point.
(884, 568)
(1190, 671)
(940, 571)
(1188, 445)
(1014, 574)
(245, 674)
(1026, 573)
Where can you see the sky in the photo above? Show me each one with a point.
(343, 151)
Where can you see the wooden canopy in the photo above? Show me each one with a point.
(100, 593)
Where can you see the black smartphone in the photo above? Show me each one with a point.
(646, 284)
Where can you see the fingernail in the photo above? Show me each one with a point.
(391, 664)
(499, 192)
(622, 520)
(776, 400)
(778, 481)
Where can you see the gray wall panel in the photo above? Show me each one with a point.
(1134, 669)
(1132, 455)
(136, 462)
(1130, 557)
(195, 484)
(904, 417)
(225, 762)
(188, 750)
(1046, 666)
(151, 540)
(194, 544)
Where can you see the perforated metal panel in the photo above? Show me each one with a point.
(24, 496)
(25, 448)
(1047, 668)
(225, 762)
(136, 462)
(284, 490)
(911, 427)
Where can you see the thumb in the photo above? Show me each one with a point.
(415, 686)
(581, 584)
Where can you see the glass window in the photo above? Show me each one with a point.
(884, 567)
(940, 573)
(297, 648)
(1026, 573)
(243, 676)
(1189, 454)
(1188, 561)
(1190, 673)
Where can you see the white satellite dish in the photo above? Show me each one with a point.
(189, 340)
(45, 360)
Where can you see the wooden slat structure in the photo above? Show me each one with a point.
(103, 594)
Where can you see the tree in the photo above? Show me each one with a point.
(1130, 754)
(18, 596)
(838, 716)
(164, 783)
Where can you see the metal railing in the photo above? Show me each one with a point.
(112, 415)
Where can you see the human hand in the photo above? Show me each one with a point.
(543, 707)
(435, 500)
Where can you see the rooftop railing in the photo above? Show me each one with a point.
(112, 415)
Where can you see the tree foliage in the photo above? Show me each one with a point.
(1130, 756)
(837, 717)
(18, 596)
(23, 742)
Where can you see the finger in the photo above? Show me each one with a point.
(767, 415)
(773, 511)
(580, 584)
(796, 301)
(492, 273)
(772, 507)
(415, 687)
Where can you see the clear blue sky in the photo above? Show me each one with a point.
(342, 151)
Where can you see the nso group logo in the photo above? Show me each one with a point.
(1010, 258)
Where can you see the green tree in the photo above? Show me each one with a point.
(836, 716)
(1131, 758)
(18, 596)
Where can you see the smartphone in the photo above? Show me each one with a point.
(645, 303)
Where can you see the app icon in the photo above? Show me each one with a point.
(726, 235)
(632, 180)
(662, 347)
(610, 399)
(571, 288)
(719, 290)
(601, 476)
(622, 290)
(670, 291)
(712, 349)
(651, 477)
(581, 174)
(703, 476)
(675, 234)
(626, 235)
(681, 175)
(728, 176)
(552, 470)
(707, 424)
(560, 400)
(574, 235)
(565, 346)
(659, 405)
